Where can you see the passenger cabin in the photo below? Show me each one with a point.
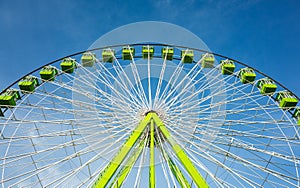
(228, 66)
(266, 86)
(286, 100)
(167, 53)
(207, 60)
(187, 56)
(88, 59)
(128, 52)
(108, 55)
(247, 75)
(9, 98)
(68, 65)
(297, 115)
(147, 52)
(48, 73)
(28, 84)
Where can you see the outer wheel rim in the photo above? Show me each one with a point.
(286, 114)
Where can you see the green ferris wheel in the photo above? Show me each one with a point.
(148, 114)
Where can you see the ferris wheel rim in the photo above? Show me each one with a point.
(152, 44)
(118, 46)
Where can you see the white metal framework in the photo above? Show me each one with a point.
(67, 131)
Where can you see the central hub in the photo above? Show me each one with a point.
(150, 112)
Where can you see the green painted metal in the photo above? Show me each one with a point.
(9, 98)
(88, 59)
(182, 156)
(286, 100)
(266, 86)
(228, 66)
(152, 157)
(28, 84)
(128, 52)
(128, 166)
(187, 56)
(68, 65)
(175, 170)
(167, 53)
(108, 55)
(110, 170)
(296, 115)
(207, 60)
(48, 73)
(247, 75)
(152, 119)
(147, 51)
(178, 174)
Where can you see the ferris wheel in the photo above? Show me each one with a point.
(148, 114)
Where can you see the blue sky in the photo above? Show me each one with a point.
(263, 34)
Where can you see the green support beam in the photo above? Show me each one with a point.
(110, 170)
(127, 167)
(151, 119)
(182, 156)
(152, 157)
(178, 174)
(175, 170)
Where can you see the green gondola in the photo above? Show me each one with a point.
(128, 52)
(108, 55)
(228, 66)
(296, 115)
(247, 75)
(147, 52)
(266, 86)
(48, 73)
(68, 65)
(187, 56)
(167, 53)
(286, 100)
(9, 98)
(88, 59)
(207, 60)
(28, 84)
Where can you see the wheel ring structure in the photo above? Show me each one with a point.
(226, 161)
(153, 44)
